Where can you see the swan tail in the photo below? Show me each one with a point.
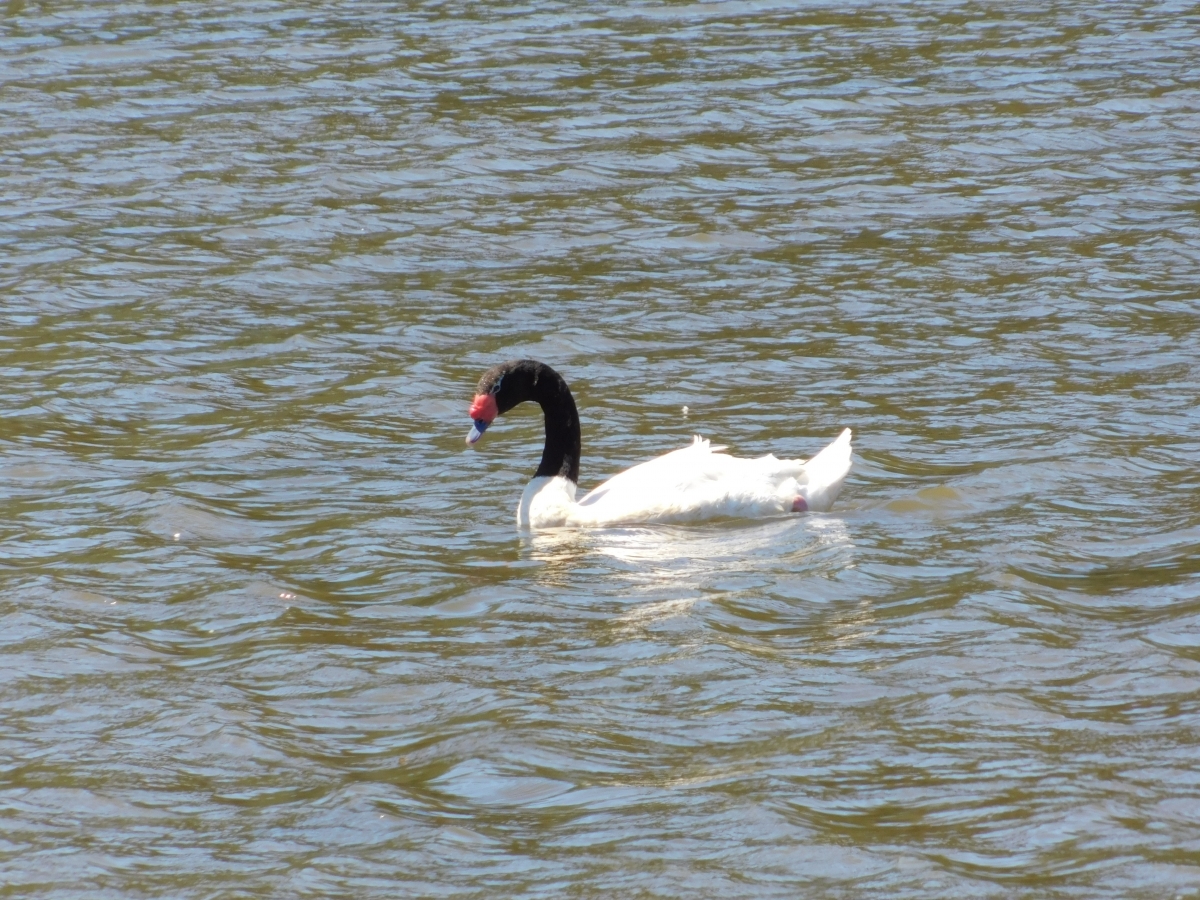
(826, 471)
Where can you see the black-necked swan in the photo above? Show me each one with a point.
(691, 484)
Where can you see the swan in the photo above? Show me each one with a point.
(694, 483)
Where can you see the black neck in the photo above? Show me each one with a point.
(560, 456)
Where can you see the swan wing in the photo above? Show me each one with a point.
(691, 484)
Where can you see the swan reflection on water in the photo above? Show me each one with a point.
(688, 556)
(743, 570)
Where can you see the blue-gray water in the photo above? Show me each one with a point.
(267, 628)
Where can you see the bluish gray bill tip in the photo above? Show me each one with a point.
(477, 430)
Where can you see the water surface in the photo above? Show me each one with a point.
(267, 628)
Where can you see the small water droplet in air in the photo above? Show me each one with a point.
(685, 410)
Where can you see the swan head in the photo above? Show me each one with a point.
(504, 386)
(500, 389)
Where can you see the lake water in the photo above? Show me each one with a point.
(267, 627)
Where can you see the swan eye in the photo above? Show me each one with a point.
(496, 387)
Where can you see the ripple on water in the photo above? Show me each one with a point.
(266, 626)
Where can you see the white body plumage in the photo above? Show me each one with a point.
(691, 484)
